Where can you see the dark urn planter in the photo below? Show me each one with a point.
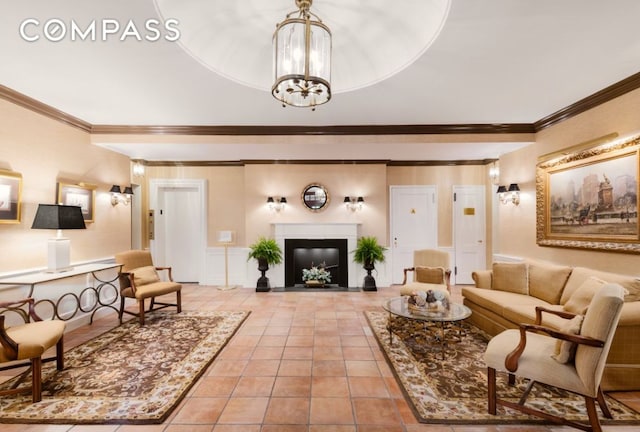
(369, 281)
(263, 281)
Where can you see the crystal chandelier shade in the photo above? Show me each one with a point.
(302, 59)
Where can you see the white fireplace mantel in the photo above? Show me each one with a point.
(348, 231)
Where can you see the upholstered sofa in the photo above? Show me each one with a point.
(509, 292)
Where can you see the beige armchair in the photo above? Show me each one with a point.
(29, 341)
(430, 266)
(139, 280)
(544, 355)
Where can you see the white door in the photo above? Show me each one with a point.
(413, 225)
(180, 227)
(469, 232)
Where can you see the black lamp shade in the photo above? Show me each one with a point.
(58, 217)
(283, 200)
(501, 189)
(513, 187)
(346, 200)
(115, 189)
(270, 200)
(128, 190)
(360, 200)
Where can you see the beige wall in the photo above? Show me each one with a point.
(45, 151)
(517, 230)
(237, 195)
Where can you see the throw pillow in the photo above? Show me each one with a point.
(511, 277)
(145, 275)
(581, 298)
(566, 351)
(433, 275)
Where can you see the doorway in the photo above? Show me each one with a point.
(469, 232)
(180, 213)
(413, 225)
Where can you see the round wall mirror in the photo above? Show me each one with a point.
(315, 197)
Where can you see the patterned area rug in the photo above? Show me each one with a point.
(454, 390)
(128, 375)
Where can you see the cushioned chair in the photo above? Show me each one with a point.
(139, 279)
(572, 359)
(29, 341)
(430, 266)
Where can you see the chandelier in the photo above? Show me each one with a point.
(302, 59)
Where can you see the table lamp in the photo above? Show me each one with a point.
(58, 217)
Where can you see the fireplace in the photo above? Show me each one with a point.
(318, 231)
(304, 253)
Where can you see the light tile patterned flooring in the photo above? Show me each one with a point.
(301, 362)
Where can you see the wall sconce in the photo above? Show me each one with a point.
(355, 204)
(494, 173)
(117, 196)
(276, 206)
(511, 195)
(138, 169)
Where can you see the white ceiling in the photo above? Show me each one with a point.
(495, 61)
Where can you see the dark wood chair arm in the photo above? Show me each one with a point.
(511, 361)
(9, 345)
(561, 314)
(404, 280)
(127, 281)
(168, 269)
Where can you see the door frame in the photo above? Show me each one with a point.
(481, 190)
(157, 244)
(426, 189)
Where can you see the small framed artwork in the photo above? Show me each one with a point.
(10, 197)
(589, 200)
(81, 195)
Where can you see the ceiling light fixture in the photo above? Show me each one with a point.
(302, 59)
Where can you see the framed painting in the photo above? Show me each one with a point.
(10, 197)
(589, 200)
(81, 195)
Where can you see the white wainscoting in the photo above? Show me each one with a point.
(506, 258)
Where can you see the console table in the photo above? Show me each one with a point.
(102, 299)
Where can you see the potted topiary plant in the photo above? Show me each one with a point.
(368, 251)
(265, 251)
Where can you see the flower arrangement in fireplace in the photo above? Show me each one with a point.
(316, 273)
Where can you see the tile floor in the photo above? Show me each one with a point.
(301, 362)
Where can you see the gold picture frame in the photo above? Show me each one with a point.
(81, 195)
(589, 199)
(10, 197)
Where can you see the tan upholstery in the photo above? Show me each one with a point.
(29, 341)
(510, 277)
(430, 266)
(494, 311)
(139, 279)
(527, 353)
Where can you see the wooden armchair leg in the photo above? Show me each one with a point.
(593, 414)
(603, 404)
(512, 379)
(36, 379)
(60, 354)
(141, 311)
(179, 301)
(491, 386)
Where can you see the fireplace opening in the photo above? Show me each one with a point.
(305, 253)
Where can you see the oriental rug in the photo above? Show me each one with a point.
(131, 374)
(454, 390)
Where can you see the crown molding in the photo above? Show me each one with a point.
(240, 163)
(42, 108)
(508, 128)
(605, 95)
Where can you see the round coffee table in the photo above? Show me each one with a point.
(398, 307)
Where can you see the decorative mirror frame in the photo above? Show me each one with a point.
(311, 201)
